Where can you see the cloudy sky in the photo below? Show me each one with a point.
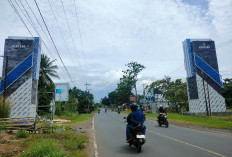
(115, 32)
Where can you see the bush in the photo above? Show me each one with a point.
(74, 142)
(4, 108)
(21, 134)
(45, 148)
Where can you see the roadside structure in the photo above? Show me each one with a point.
(204, 83)
(22, 75)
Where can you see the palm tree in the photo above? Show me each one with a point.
(46, 85)
(47, 70)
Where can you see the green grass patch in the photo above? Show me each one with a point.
(45, 148)
(78, 153)
(74, 141)
(220, 122)
(74, 117)
(21, 134)
(68, 142)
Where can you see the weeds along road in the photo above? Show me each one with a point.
(174, 141)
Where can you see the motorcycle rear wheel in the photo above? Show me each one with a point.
(166, 125)
(139, 148)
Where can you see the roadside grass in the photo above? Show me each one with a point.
(219, 122)
(74, 117)
(56, 144)
(21, 134)
(44, 148)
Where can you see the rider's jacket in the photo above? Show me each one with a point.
(135, 118)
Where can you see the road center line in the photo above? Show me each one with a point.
(204, 149)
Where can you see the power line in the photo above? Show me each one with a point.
(16, 11)
(62, 35)
(74, 45)
(79, 29)
(53, 41)
(32, 24)
(40, 27)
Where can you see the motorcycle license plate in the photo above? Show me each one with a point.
(140, 136)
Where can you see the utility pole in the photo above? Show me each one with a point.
(144, 84)
(5, 83)
(87, 89)
(86, 85)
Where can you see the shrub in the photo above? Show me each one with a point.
(71, 140)
(45, 148)
(21, 134)
(4, 108)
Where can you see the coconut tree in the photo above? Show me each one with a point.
(46, 86)
(47, 70)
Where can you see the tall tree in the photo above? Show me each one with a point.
(132, 72)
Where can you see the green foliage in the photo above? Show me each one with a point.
(21, 134)
(47, 70)
(74, 141)
(227, 92)
(125, 86)
(54, 144)
(2, 126)
(45, 96)
(105, 101)
(131, 74)
(85, 100)
(112, 97)
(45, 148)
(4, 108)
(46, 86)
(174, 91)
(177, 93)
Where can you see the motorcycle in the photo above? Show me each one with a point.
(119, 111)
(163, 120)
(138, 138)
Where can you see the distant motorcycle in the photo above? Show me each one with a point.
(138, 138)
(163, 119)
(119, 111)
(99, 111)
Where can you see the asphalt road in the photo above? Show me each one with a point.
(165, 142)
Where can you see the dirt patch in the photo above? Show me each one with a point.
(9, 142)
(59, 121)
(86, 128)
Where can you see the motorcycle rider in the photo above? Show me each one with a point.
(134, 119)
(161, 112)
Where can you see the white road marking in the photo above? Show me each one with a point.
(204, 149)
(94, 140)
